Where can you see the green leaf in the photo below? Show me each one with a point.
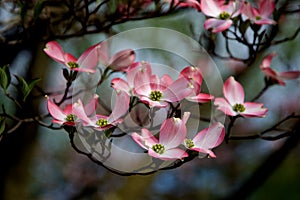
(22, 86)
(2, 125)
(38, 9)
(3, 79)
(25, 87)
(7, 72)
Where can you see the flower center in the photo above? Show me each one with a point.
(101, 122)
(224, 15)
(158, 148)
(155, 95)
(239, 107)
(73, 65)
(258, 17)
(189, 143)
(71, 118)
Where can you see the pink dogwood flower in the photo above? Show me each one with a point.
(157, 92)
(128, 84)
(194, 76)
(207, 139)
(103, 122)
(274, 76)
(120, 61)
(71, 115)
(233, 104)
(172, 134)
(85, 63)
(261, 14)
(221, 14)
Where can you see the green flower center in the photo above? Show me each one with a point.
(189, 143)
(155, 95)
(258, 17)
(71, 118)
(239, 107)
(73, 65)
(224, 15)
(101, 122)
(158, 148)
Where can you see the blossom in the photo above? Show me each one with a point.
(207, 139)
(194, 76)
(70, 115)
(103, 122)
(120, 61)
(221, 13)
(274, 76)
(233, 104)
(85, 63)
(172, 133)
(157, 92)
(128, 84)
(261, 15)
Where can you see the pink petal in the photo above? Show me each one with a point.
(263, 21)
(89, 59)
(172, 132)
(169, 154)
(122, 60)
(210, 8)
(233, 91)
(206, 151)
(289, 75)
(185, 117)
(210, 137)
(217, 25)
(177, 91)
(224, 106)
(253, 109)
(142, 81)
(145, 140)
(136, 67)
(120, 108)
(91, 106)
(194, 75)
(190, 3)
(201, 98)
(266, 7)
(55, 111)
(54, 50)
(159, 104)
(267, 60)
(79, 111)
(69, 58)
(269, 72)
(120, 84)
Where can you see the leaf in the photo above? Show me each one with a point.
(38, 9)
(25, 87)
(2, 125)
(3, 79)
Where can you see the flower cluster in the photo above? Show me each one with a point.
(222, 14)
(141, 86)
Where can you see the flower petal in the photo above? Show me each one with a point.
(210, 8)
(55, 111)
(178, 90)
(55, 51)
(120, 108)
(210, 137)
(169, 154)
(233, 91)
(172, 132)
(224, 106)
(89, 59)
(122, 60)
(217, 25)
(201, 98)
(253, 109)
(120, 84)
